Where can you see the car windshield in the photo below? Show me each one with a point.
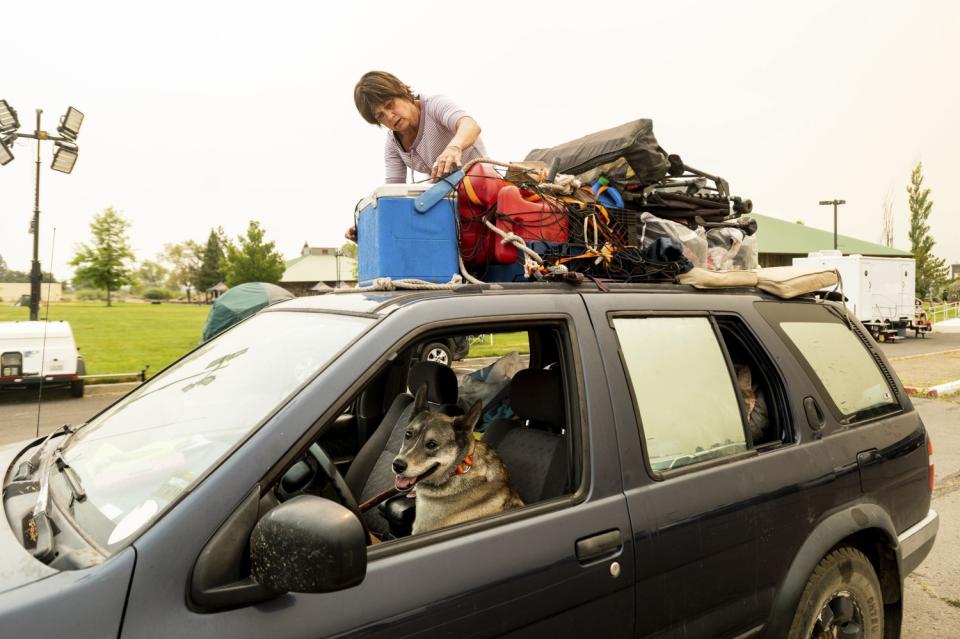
(156, 443)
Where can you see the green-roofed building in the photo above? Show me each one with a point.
(780, 241)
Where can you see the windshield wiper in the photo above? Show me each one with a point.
(73, 479)
(42, 530)
(30, 466)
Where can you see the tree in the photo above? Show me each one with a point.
(151, 274)
(931, 270)
(11, 276)
(184, 262)
(886, 230)
(349, 249)
(105, 264)
(252, 259)
(211, 272)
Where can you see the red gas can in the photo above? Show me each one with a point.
(477, 195)
(533, 218)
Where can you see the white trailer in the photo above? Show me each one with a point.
(880, 291)
(32, 353)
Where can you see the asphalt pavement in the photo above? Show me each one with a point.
(934, 342)
(19, 409)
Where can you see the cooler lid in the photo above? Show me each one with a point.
(396, 190)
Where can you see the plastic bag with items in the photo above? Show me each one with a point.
(694, 242)
(730, 249)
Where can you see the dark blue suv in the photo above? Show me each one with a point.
(693, 464)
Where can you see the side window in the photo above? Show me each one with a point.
(688, 405)
(845, 368)
(461, 400)
(835, 354)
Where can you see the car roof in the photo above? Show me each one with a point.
(25, 330)
(380, 303)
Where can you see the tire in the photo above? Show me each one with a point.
(843, 592)
(437, 352)
(76, 388)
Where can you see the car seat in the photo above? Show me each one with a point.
(534, 446)
(371, 472)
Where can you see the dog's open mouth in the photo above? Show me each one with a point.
(404, 484)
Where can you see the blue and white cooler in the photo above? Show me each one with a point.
(395, 240)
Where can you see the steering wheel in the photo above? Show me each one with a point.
(312, 475)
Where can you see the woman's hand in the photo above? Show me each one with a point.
(449, 160)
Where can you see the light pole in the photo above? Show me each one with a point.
(64, 158)
(835, 204)
(338, 254)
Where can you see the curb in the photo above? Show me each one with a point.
(933, 391)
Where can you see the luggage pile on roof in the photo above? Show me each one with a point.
(612, 204)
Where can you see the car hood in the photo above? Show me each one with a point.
(17, 566)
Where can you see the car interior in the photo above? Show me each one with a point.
(521, 419)
(766, 393)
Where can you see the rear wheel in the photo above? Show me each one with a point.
(842, 599)
(76, 388)
(437, 352)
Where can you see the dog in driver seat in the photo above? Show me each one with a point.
(456, 477)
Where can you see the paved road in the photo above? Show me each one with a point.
(934, 342)
(18, 409)
(932, 594)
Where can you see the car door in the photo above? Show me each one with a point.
(702, 521)
(563, 567)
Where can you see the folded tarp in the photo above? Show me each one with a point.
(783, 281)
(633, 142)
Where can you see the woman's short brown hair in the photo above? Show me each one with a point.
(375, 88)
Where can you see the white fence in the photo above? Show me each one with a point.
(939, 312)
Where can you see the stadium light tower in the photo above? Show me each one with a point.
(64, 159)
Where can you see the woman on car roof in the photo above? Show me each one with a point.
(428, 134)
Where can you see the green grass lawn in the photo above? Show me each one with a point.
(126, 336)
(503, 344)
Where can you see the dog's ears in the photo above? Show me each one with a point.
(420, 401)
(468, 422)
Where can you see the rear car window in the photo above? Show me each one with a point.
(853, 380)
(845, 368)
(688, 407)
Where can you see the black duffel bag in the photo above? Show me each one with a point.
(591, 155)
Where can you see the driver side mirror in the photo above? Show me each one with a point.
(309, 544)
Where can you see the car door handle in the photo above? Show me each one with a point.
(599, 545)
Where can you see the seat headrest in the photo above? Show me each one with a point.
(537, 394)
(441, 382)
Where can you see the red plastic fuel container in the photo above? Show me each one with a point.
(533, 218)
(477, 195)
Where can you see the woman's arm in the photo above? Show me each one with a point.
(467, 133)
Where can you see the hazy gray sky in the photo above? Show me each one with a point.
(203, 114)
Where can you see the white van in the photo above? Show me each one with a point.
(24, 345)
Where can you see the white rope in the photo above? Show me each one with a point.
(586, 224)
(390, 284)
(465, 273)
(562, 185)
(516, 240)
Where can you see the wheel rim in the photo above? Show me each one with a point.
(438, 355)
(840, 617)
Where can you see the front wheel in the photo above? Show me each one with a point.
(842, 599)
